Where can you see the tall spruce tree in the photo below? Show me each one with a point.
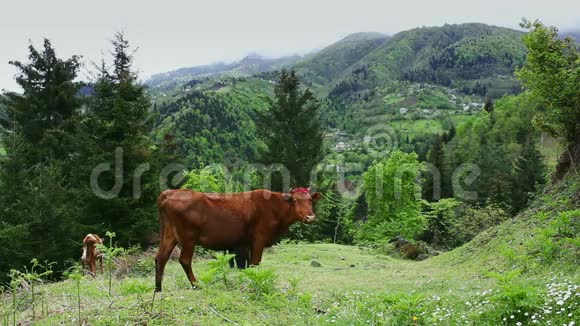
(44, 113)
(118, 119)
(41, 143)
(291, 129)
(528, 174)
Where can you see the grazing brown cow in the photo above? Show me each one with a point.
(253, 219)
(91, 254)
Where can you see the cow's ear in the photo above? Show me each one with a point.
(287, 197)
(316, 196)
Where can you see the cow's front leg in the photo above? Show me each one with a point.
(256, 253)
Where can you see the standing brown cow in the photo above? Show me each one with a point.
(91, 254)
(253, 219)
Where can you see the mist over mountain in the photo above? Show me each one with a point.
(251, 64)
(573, 33)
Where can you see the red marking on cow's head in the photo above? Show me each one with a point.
(302, 201)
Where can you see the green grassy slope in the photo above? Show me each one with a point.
(352, 285)
(543, 240)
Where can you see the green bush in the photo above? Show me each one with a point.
(393, 197)
(220, 267)
(441, 219)
(475, 220)
(559, 239)
(514, 300)
(138, 288)
(76, 273)
(259, 281)
(360, 308)
(109, 253)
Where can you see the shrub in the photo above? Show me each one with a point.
(393, 197)
(515, 300)
(259, 281)
(109, 253)
(559, 239)
(75, 273)
(475, 220)
(356, 307)
(138, 288)
(406, 308)
(220, 267)
(34, 276)
(441, 219)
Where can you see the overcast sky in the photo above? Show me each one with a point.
(175, 34)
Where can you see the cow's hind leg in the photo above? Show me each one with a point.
(242, 256)
(185, 258)
(166, 246)
(234, 259)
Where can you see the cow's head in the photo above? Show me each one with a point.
(302, 201)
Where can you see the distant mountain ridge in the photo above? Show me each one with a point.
(476, 57)
(249, 65)
(368, 80)
(415, 84)
(450, 55)
(573, 33)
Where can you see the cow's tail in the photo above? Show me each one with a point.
(162, 197)
(84, 256)
(87, 241)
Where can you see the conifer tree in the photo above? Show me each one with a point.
(44, 113)
(291, 129)
(118, 118)
(528, 173)
(41, 143)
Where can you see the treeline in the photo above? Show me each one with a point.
(503, 144)
(73, 153)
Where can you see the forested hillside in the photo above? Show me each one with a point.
(459, 56)
(212, 126)
(368, 80)
(324, 67)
